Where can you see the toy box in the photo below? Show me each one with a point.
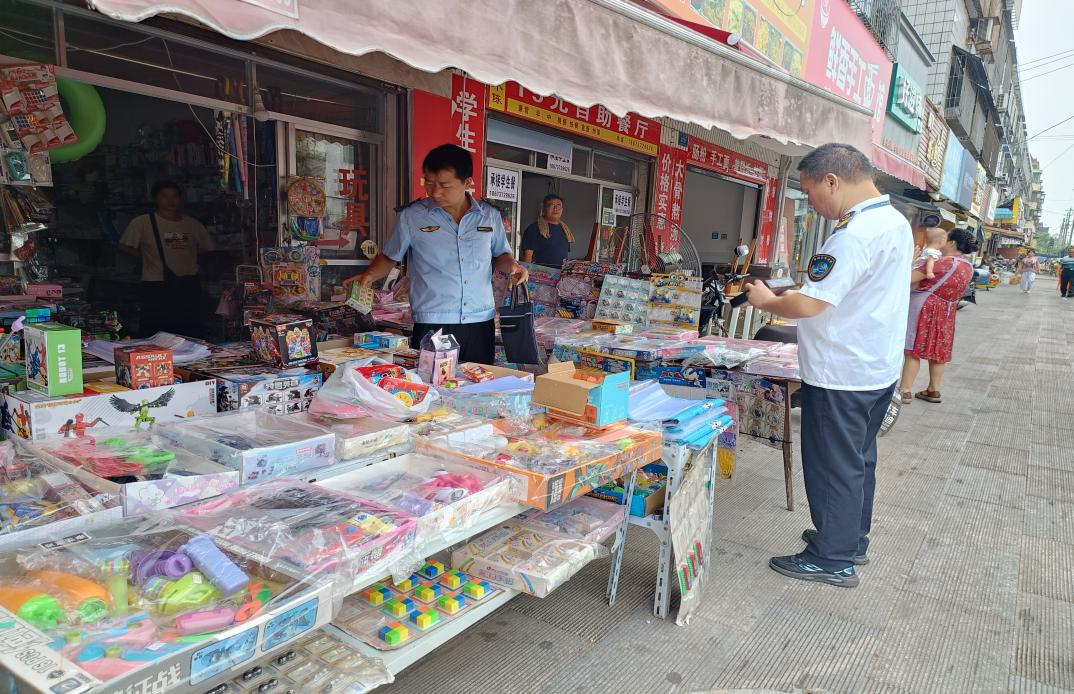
(329, 359)
(526, 560)
(53, 358)
(437, 358)
(560, 468)
(40, 502)
(144, 366)
(31, 415)
(381, 341)
(11, 349)
(144, 475)
(119, 611)
(259, 445)
(595, 397)
(649, 491)
(360, 437)
(267, 388)
(284, 340)
(309, 526)
(584, 518)
(98, 387)
(406, 358)
(441, 495)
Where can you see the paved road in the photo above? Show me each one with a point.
(970, 589)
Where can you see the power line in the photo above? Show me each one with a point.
(1045, 57)
(1046, 62)
(1057, 158)
(1033, 77)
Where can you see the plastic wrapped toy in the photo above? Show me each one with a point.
(348, 393)
(585, 518)
(360, 437)
(138, 593)
(307, 525)
(258, 444)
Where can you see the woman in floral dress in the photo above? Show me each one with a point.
(930, 332)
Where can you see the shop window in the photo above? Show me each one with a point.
(26, 33)
(324, 101)
(495, 150)
(580, 162)
(352, 196)
(611, 168)
(129, 54)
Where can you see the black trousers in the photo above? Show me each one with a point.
(175, 307)
(1066, 283)
(477, 341)
(839, 429)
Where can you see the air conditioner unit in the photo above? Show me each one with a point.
(985, 35)
(1002, 101)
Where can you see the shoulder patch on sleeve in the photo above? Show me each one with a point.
(820, 265)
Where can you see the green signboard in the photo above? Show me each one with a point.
(906, 102)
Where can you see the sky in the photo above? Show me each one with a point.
(1044, 30)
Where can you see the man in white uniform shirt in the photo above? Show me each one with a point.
(851, 315)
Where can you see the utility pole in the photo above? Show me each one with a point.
(1065, 229)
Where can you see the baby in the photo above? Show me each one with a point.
(935, 238)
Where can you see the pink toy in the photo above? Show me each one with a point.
(205, 620)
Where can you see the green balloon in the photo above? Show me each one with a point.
(85, 112)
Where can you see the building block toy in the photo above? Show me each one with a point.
(408, 584)
(453, 579)
(451, 603)
(432, 569)
(399, 607)
(427, 592)
(476, 590)
(393, 633)
(426, 619)
(377, 595)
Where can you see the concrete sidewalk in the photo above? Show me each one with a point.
(970, 588)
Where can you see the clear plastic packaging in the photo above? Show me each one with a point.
(138, 593)
(312, 527)
(147, 474)
(259, 445)
(584, 518)
(360, 437)
(524, 559)
(37, 496)
(501, 397)
(452, 426)
(442, 495)
(347, 393)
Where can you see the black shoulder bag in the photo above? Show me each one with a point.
(516, 327)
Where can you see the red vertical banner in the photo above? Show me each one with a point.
(458, 120)
(763, 256)
(669, 192)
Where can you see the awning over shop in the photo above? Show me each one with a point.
(610, 52)
(895, 165)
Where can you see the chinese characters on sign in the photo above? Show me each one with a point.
(354, 189)
(630, 131)
(502, 184)
(670, 186)
(468, 119)
(712, 157)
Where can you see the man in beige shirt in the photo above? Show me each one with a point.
(171, 291)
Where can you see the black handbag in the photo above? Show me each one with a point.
(516, 327)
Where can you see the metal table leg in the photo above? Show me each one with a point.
(619, 545)
(789, 388)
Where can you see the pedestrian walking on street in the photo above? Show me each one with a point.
(930, 331)
(1029, 266)
(1066, 275)
(850, 337)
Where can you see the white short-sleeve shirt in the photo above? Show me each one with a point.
(863, 272)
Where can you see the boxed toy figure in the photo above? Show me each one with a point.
(144, 366)
(53, 358)
(265, 387)
(381, 341)
(284, 340)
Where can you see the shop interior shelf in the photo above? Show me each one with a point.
(400, 659)
(488, 519)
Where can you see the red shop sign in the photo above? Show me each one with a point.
(706, 155)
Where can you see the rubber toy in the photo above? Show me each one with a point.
(116, 573)
(87, 117)
(88, 599)
(216, 565)
(189, 592)
(39, 610)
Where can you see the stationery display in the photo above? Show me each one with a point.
(675, 301)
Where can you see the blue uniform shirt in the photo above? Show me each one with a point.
(450, 265)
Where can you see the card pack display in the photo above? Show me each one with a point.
(624, 299)
(675, 301)
(579, 287)
(31, 115)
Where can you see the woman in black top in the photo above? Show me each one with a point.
(548, 240)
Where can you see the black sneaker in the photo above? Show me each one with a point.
(859, 559)
(795, 566)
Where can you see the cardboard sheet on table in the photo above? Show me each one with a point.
(504, 384)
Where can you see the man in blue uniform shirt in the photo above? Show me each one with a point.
(851, 315)
(454, 243)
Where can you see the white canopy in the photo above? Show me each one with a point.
(610, 52)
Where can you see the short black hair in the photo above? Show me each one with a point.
(451, 157)
(160, 186)
(549, 198)
(965, 240)
(845, 161)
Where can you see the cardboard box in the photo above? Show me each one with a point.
(266, 388)
(284, 340)
(599, 401)
(300, 606)
(259, 445)
(501, 371)
(360, 438)
(186, 478)
(381, 341)
(329, 359)
(98, 387)
(31, 415)
(144, 366)
(437, 358)
(53, 358)
(548, 491)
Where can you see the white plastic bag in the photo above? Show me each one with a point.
(349, 394)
